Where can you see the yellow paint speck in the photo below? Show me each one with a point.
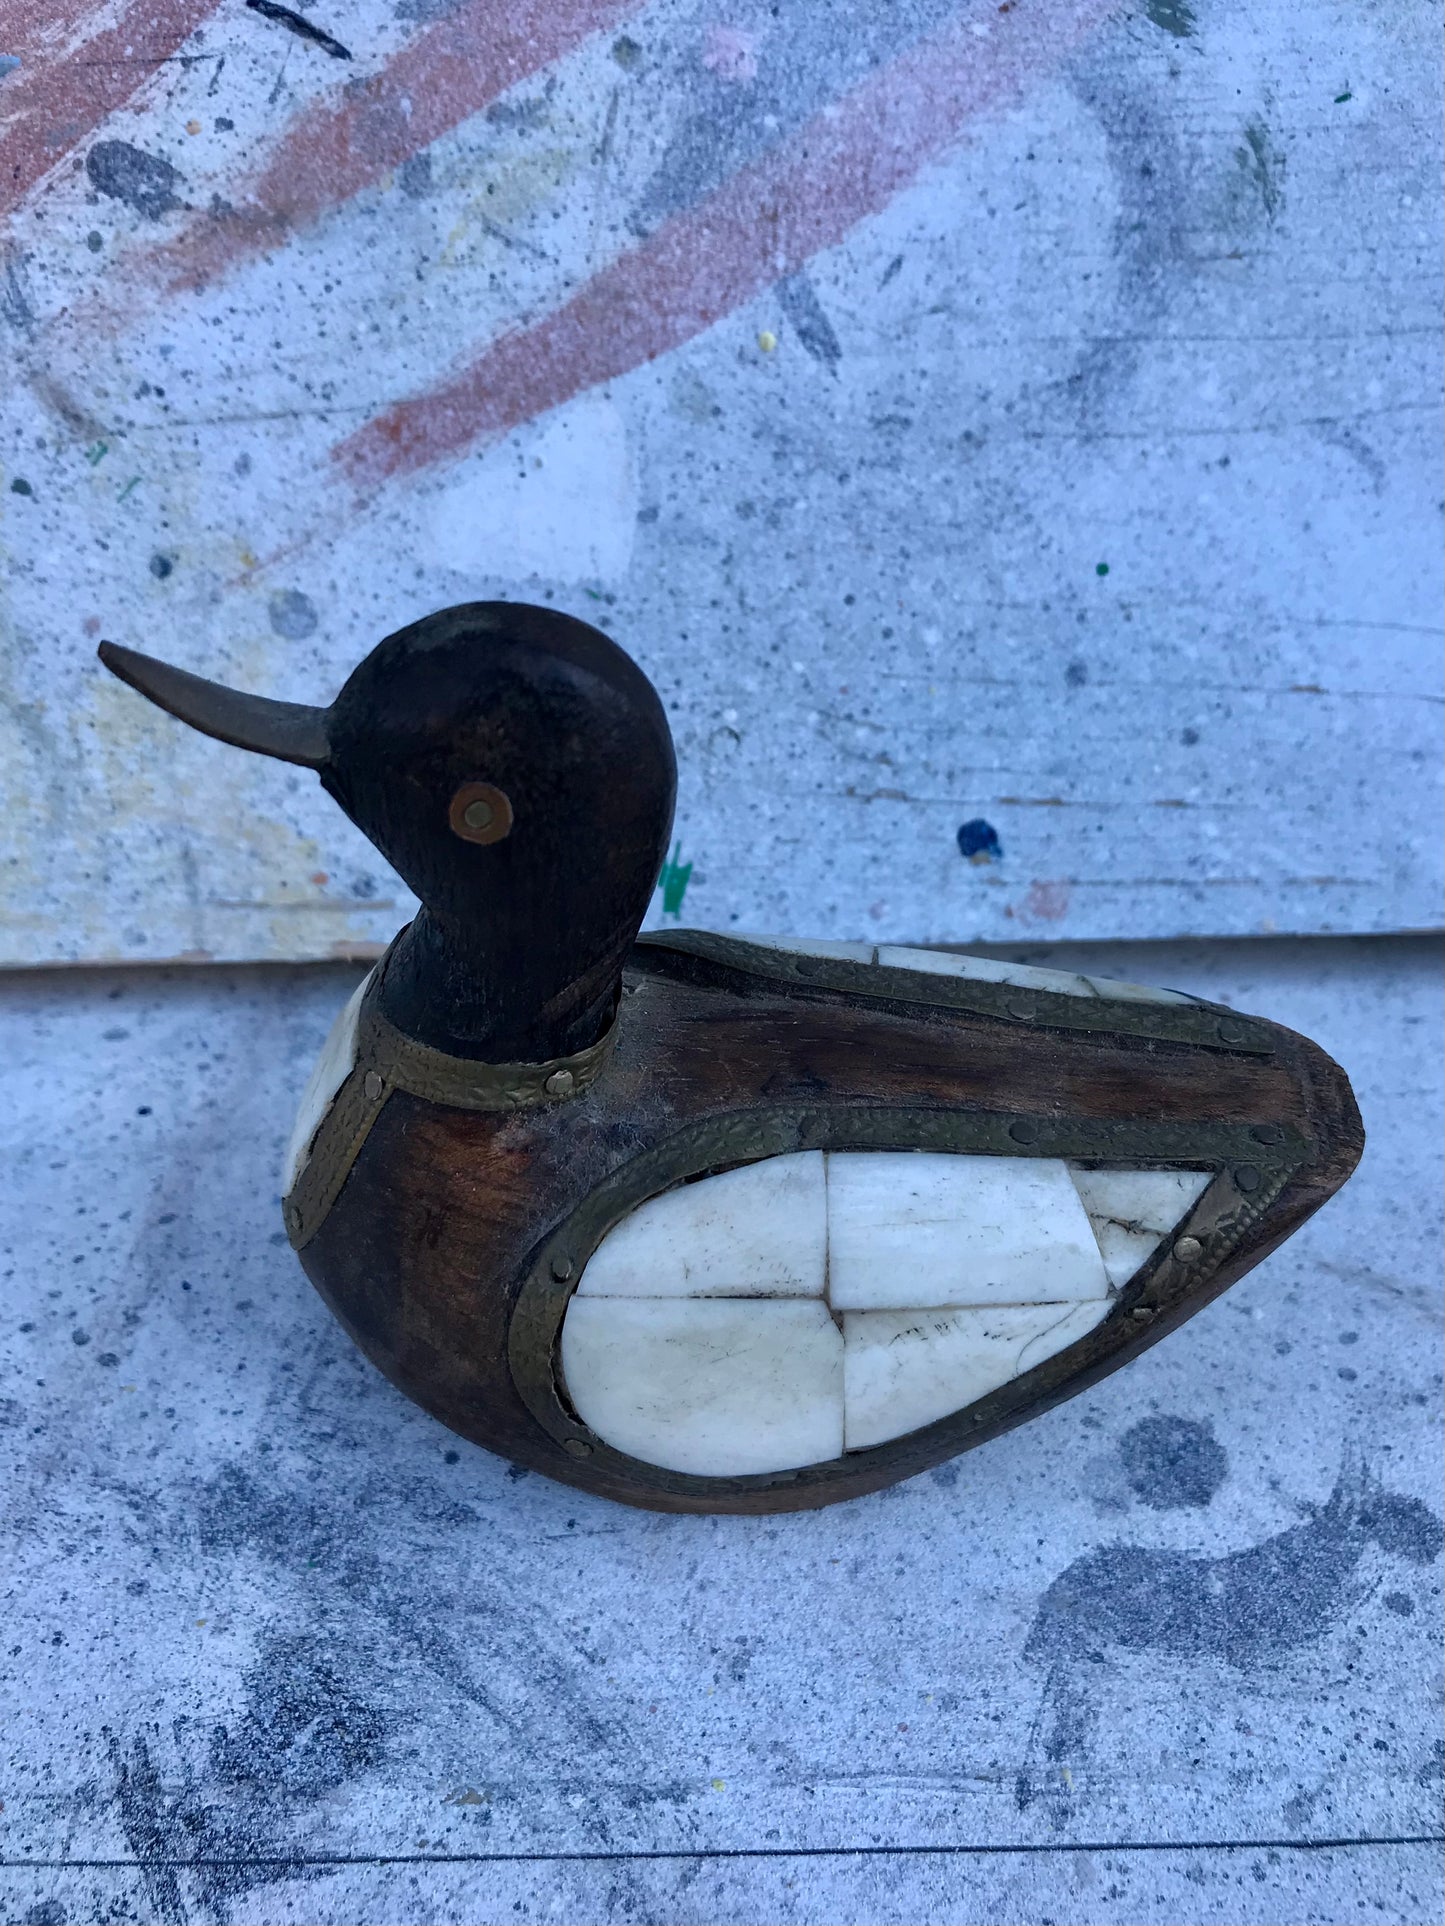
(767, 340)
(200, 1621)
(719, 1785)
(193, 127)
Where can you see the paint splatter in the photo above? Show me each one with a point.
(144, 182)
(1173, 1464)
(1047, 902)
(292, 615)
(303, 29)
(673, 882)
(978, 842)
(1101, 568)
(1245, 1609)
(1174, 16)
(731, 53)
(799, 301)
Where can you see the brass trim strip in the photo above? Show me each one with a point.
(387, 1060)
(1207, 1025)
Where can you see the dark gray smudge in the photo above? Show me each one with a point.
(1172, 1464)
(1245, 1608)
(292, 614)
(799, 301)
(1174, 16)
(143, 181)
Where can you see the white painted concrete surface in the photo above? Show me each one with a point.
(280, 1649)
(1023, 418)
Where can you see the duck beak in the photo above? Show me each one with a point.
(290, 731)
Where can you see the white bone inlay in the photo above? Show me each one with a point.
(915, 1228)
(905, 1369)
(760, 1231)
(333, 1067)
(706, 1385)
(988, 969)
(1133, 1211)
(1137, 992)
(810, 946)
(704, 1333)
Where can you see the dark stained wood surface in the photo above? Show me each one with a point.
(424, 1252)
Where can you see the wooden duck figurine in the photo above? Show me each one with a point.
(707, 1223)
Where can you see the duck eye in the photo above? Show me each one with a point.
(480, 813)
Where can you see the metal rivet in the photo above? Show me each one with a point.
(807, 966)
(577, 1448)
(1021, 1008)
(1024, 1132)
(373, 1084)
(293, 1217)
(1267, 1134)
(1230, 1032)
(561, 1269)
(560, 1083)
(1142, 1313)
(478, 814)
(1247, 1177)
(1186, 1249)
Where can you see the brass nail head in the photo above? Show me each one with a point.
(1022, 1008)
(1186, 1249)
(1267, 1134)
(560, 1083)
(1246, 1177)
(373, 1085)
(1141, 1313)
(1024, 1132)
(561, 1269)
(577, 1448)
(1230, 1032)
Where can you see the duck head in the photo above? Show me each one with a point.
(516, 768)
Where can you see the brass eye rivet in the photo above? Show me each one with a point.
(373, 1085)
(479, 812)
(578, 1448)
(1186, 1249)
(561, 1269)
(559, 1084)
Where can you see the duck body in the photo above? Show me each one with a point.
(816, 1223)
(719, 1224)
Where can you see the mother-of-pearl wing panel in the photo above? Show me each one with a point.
(778, 1314)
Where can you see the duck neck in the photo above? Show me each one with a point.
(489, 997)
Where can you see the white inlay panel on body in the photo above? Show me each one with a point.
(988, 969)
(910, 1228)
(706, 1385)
(810, 946)
(905, 1369)
(333, 1067)
(759, 1231)
(1133, 1211)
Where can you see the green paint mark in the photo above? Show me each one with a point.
(128, 487)
(1340, 99)
(97, 453)
(673, 882)
(1101, 568)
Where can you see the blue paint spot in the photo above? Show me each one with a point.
(978, 841)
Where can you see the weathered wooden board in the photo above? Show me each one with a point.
(1022, 417)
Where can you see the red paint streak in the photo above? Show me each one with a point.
(439, 79)
(763, 223)
(47, 107)
(1047, 902)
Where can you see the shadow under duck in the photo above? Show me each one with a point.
(713, 1223)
